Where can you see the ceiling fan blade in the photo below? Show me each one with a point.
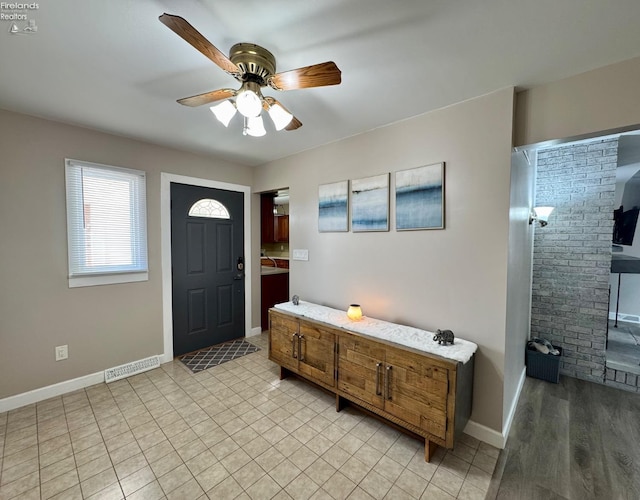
(207, 97)
(192, 36)
(295, 124)
(317, 75)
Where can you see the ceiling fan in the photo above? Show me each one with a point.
(254, 67)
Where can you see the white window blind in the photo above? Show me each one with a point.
(106, 224)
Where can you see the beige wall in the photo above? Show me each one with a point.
(603, 99)
(456, 278)
(104, 326)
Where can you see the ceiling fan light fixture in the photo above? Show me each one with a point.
(280, 116)
(224, 112)
(249, 100)
(254, 67)
(254, 126)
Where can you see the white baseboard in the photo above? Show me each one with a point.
(255, 331)
(484, 433)
(514, 405)
(493, 437)
(50, 391)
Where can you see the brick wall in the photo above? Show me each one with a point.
(623, 380)
(572, 255)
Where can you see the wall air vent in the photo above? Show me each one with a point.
(133, 368)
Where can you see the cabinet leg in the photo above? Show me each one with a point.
(429, 449)
(339, 403)
(284, 373)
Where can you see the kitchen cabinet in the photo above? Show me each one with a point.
(274, 228)
(274, 288)
(281, 228)
(267, 218)
(426, 394)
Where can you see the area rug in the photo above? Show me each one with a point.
(218, 354)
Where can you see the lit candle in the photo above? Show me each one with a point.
(354, 312)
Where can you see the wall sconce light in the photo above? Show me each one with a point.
(540, 214)
(354, 313)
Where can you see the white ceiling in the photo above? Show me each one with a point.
(112, 66)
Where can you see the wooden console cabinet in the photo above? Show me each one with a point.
(428, 395)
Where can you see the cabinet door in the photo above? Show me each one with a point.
(283, 340)
(274, 289)
(360, 369)
(317, 353)
(266, 218)
(281, 228)
(416, 390)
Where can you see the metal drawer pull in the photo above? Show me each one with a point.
(300, 337)
(378, 391)
(388, 384)
(293, 346)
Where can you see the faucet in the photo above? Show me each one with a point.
(265, 256)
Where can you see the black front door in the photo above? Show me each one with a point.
(207, 258)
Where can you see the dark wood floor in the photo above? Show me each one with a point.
(572, 440)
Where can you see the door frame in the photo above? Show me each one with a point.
(165, 235)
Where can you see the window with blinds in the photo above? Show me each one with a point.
(106, 224)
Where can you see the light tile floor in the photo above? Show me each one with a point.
(232, 431)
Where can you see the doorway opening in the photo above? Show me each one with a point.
(274, 251)
(585, 264)
(623, 340)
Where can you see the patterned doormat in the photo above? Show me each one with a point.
(218, 354)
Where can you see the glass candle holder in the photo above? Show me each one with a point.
(354, 313)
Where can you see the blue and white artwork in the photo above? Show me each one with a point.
(420, 198)
(370, 203)
(333, 207)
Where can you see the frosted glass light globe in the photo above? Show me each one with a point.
(248, 103)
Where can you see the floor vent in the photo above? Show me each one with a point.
(122, 371)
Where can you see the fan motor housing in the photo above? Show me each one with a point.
(253, 60)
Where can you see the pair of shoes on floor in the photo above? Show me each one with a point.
(543, 346)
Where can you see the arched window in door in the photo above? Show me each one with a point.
(207, 207)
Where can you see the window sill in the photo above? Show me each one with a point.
(107, 279)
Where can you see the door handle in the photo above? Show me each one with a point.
(300, 338)
(388, 383)
(378, 391)
(293, 346)
(240, 268)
